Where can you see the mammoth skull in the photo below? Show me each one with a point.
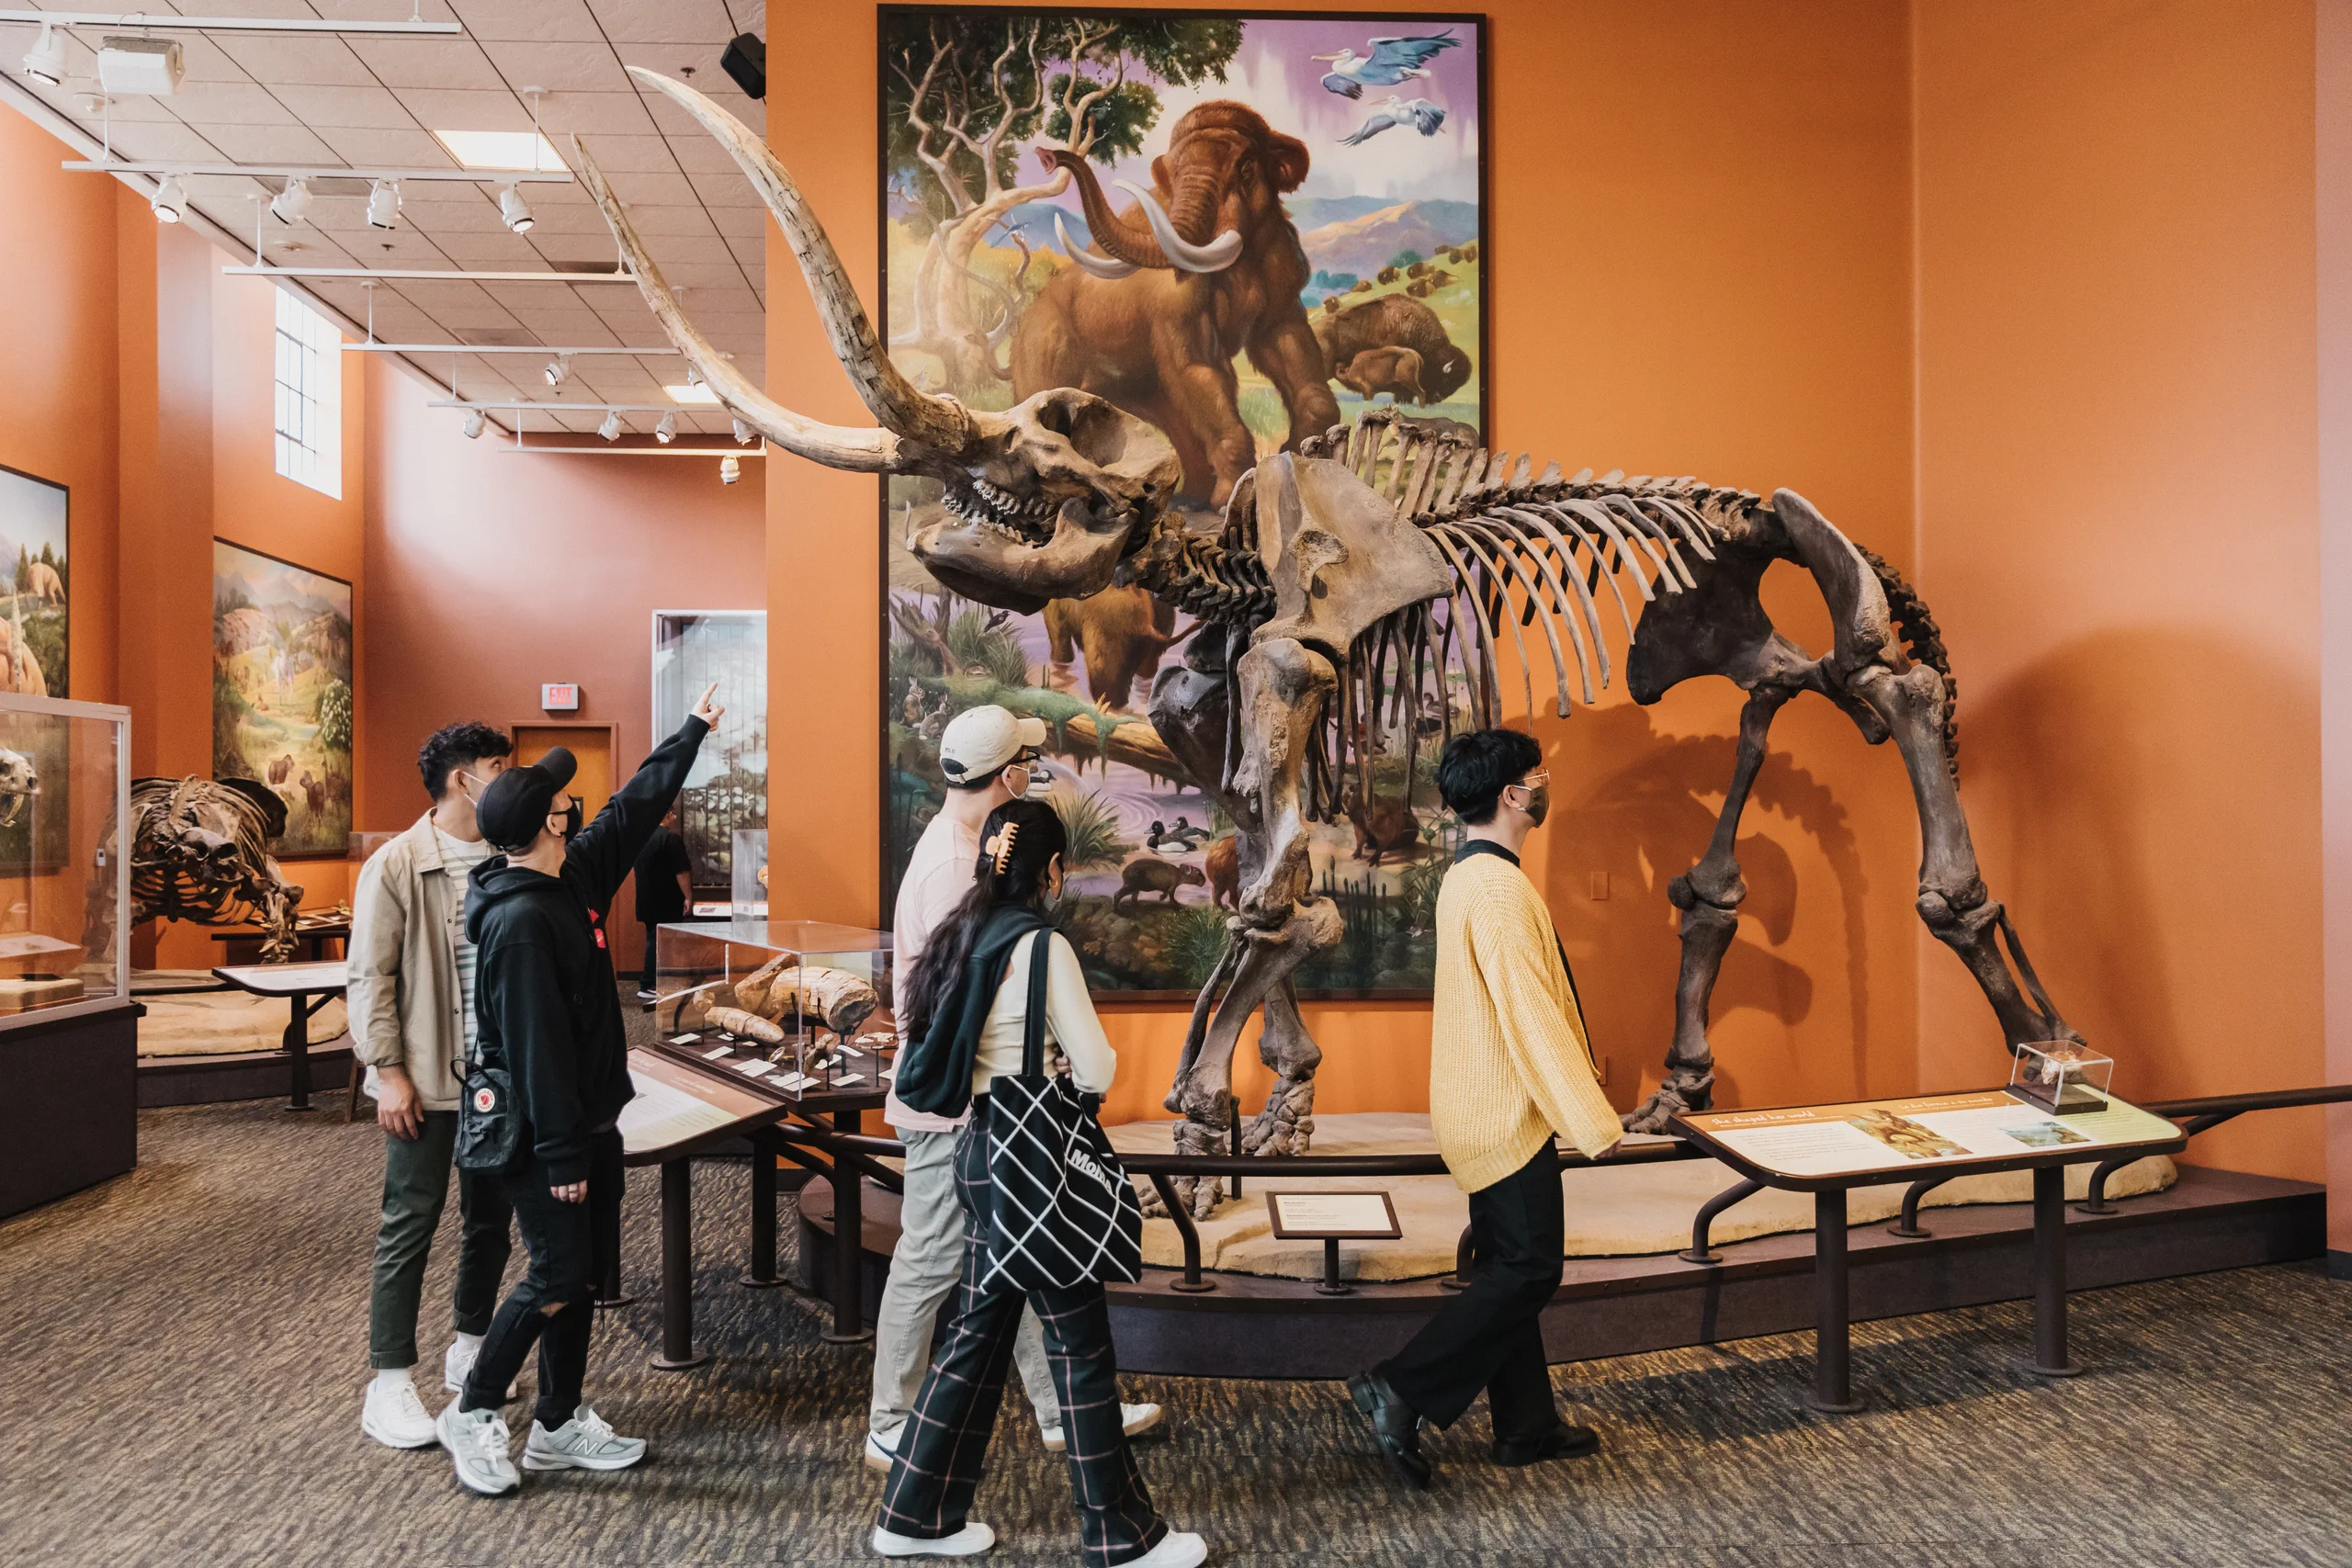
(1045, 498)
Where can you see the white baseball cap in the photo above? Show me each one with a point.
(980, 740)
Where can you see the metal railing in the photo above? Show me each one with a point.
(1161, 1171)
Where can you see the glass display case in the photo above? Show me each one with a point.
(801, 1006)
(64, 883)
(728, 790)
(2062, 1077)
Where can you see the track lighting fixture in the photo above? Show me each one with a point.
(558, 369)
(514, 211)
(45, 62)
(693, 376)
(742, 433)
(474, 424)
(667, 429)
(384, 204)
(611, 429)
(288, 205)
(170, 199)
(730, 468)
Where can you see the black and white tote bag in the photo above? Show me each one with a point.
(1063, 1210)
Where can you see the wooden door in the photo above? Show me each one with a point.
(594, 746)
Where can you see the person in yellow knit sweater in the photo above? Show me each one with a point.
(1508, 1068)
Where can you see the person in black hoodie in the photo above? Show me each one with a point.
(548, 1009)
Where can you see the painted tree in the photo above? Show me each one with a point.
(963, 91)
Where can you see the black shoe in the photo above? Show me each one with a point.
(1562, 1441)
(1395, 1426)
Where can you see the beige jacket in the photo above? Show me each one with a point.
(406, 916)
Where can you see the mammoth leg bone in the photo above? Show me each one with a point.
(1953, 900)
(1709, 894)
(1281, 685)
(1287, 1125)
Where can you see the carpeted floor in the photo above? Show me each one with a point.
(182, 1357)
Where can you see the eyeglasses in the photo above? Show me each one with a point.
(1535, 780)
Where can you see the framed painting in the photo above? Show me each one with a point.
(1243, 227)
(281, 692)
(34, 614)
(727, 792)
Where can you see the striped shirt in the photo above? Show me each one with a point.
(461, 858)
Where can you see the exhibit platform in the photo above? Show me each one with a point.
(204, 1044)
(1611, 1305)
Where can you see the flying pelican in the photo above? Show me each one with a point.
(1391, 60)
(1419, 113)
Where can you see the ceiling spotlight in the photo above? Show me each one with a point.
(730, 468)
(743, 433)
(611, 429)
(169, 200)
(515, 211)
(693, 376)
(668, 428)
(384, 204)
(557, 369)
(45, 62)
(288, 205)
(474, 423)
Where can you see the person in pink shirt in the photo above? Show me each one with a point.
(987, 756)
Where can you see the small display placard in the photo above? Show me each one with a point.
(1328, 1217)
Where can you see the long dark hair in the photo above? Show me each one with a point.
(1037, 837)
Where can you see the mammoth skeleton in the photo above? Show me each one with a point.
(1346, 571)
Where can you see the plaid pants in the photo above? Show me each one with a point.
(941, 1456)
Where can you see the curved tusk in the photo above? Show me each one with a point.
(836, 446)
(1215, 257)
(1101, 266)
(940, 423)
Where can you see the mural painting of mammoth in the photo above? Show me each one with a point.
(1205, 265)
(1392, 322)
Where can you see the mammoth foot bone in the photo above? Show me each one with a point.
(1685, 1089)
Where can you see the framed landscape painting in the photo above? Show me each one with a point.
(1243, 227)
(281, 692)
(36, 581)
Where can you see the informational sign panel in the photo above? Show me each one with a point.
(1326, 1216)
(1896, 1134)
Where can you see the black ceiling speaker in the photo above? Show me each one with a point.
(746, 60)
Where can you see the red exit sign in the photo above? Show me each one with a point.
(559, 697)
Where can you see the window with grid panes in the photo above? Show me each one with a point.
(309, 397)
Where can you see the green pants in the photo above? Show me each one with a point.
(416, 1185)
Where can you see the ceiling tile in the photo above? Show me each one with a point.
(161, 141)
(615, 154)
(293, 58)
(201, 59)
(447, 63)
(436, 207)
(664, 21)
(729, 189)
(402, 148)
(620, 113)
(496, 20)
(452, 108)
(320, 107)
(652, 188)
(271, 144)
(559, 67)
(651, 222)
(492, 249)
(679, 249)
(673, 120)
(230, 103)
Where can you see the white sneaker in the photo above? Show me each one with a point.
(458, 1362)
(477, 1441)
(970, 1541)
(881, 1449)
(1134, 1420)
(395, 1417)
(585, 1442)
(1176, 1549)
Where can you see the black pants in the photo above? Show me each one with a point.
(1489, 1336)
(942, 1454)
(570, 1246)
(649, 971)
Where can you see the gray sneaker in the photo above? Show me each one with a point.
(477, 1441)
(587, 1441)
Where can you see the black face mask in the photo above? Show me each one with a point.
(573, 819)
(1538, 804)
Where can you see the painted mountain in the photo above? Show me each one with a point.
(1366, 243)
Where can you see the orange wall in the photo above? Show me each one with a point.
(2117, 468)
(492, 573)
(57, 401)
(1753, 326)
